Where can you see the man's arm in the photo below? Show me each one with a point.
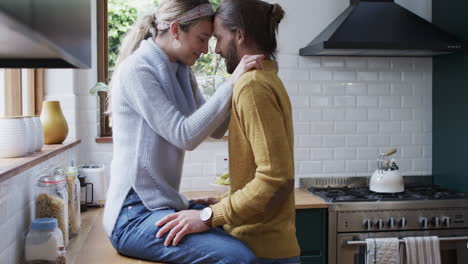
(264, 125)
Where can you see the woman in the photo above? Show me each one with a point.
(158, 113)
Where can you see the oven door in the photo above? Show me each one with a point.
(452, 252)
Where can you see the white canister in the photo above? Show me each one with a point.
(42, 241)
(30, 134)
(12, 137)
(39, 133)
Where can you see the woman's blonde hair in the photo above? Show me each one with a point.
(146, 27)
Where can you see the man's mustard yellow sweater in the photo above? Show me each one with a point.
(260, 209)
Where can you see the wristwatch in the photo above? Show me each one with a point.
(206, 214)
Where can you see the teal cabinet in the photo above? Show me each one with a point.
(311, 232)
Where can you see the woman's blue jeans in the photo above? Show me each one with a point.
(134, 235)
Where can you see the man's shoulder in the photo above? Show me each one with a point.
(249, 80)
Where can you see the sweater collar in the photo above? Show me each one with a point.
(151, 46)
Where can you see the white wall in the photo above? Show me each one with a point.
(346, 110)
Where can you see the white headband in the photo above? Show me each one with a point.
(197, 12)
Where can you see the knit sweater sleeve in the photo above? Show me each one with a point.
(263, 122)
(145, 95)
(220, 131)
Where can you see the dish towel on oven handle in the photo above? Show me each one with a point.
(382, 251)
(422, 250)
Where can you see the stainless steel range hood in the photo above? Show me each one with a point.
(45, 33)
(381, 28)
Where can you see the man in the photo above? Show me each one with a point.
(260, 209)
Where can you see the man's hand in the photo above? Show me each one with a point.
(207, 201)
(180, 224)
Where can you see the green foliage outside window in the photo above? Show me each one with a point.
(209, 69)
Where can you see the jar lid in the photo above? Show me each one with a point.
(51, 180)
(44, 224)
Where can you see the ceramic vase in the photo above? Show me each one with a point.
(54, 125)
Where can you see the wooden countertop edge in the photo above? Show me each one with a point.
(10, 167)
(304, 200)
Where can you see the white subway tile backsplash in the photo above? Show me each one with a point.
(320, 101)
(402, 64)
(345, 127)
(301, 128)
(367, 101)
(321, 154)
(344, 76)
(379, 63)
(288, 61)
(378, 141)
(344, 153)
(411, 152)
(308, 88)
(333, 166)
(356, 114)
(400, 140)
(326, 127)
(367, 127)
(356, 89)
(310, 62)
(370, 154)
(355, 63)
(334, 141)
(390, 101)
(401, 89)
(333, 114)
(310, 167)
(356, 141)
(301, 154)
(413, 76)
(310, 141)
(412, 101)
(334, 89)
(299, 101)
(356, 165)
(319, 75)
(401, 114)
(333, 62)
(378, 89)
(344, 101)
(309, 115)
(390, 76)
(378, 114)
(367, 76)
(412, 126)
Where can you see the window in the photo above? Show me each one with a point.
(115, 18)
(21, 91)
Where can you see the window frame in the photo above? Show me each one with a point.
(13, 92)
(105, 130)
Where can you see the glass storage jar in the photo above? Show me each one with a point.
(52, 202)
(43, 241)
(74, 199)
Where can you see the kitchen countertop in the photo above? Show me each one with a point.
(304, 200)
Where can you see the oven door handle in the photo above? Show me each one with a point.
(442, 239)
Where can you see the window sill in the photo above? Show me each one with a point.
(10, 167)
(109, 139)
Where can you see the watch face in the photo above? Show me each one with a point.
(205, 214)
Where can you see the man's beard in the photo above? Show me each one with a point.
(231, 58)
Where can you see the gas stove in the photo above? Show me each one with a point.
(355, 213)
(363, 194)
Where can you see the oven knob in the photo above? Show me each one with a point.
(435, 221)
(423, 222)
(446, 221)
(367, 224)
(402, 222)
(391, 222)
(379, 224)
